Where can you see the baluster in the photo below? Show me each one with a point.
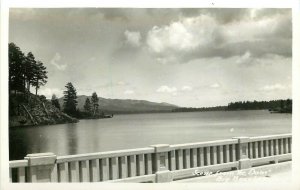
(227, 154)
(200, 157)
(104, 166)
(10, 174)
(193, 157)
(221, 155)
(214, 155)
(74, 171)
(123, 167)
(149, 164)
(250, 150)
(261, 149)
(21, 174)
(256, 149)
(132, 166)
(286, 146)
(84, 171)
(233, 153)
(271, 147)
(179, 160)
(276, 150)
(207, 156)
(172, 160)
(141, 165)
(186, 158)
(290, 144)
(266, 148)
(63, 172)
(281, 146)
(94, 170)
(113, 168)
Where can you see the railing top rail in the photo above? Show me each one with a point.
(269, 137)
(18, 163)
(108, 154)
(205, 144)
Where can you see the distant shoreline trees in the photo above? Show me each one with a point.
(279, 106)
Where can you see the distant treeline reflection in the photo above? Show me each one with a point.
(274, 106)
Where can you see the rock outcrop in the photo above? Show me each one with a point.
(36, 111)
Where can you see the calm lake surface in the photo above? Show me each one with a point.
(142, 130)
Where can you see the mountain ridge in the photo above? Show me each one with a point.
(125, 105)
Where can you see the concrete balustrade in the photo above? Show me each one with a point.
(155, 164)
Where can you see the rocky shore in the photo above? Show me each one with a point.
(35, 111)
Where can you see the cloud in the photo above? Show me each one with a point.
(183, 35)
(223, 33)
(55, 61)
(167, 89)
(215, 85)
(186, 88)
(129, 92)
(273, 87)
(133, 38)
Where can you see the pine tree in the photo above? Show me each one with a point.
(30, 69)
(95, 100)
(87, 105)
(55, 102)
(40, 76)
(16, 68)
(70, 101)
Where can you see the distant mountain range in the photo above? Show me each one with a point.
(125, 105)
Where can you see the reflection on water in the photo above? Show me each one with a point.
(141, 130)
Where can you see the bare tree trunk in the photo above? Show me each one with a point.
(32, 119)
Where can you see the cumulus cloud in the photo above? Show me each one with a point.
(223, 33)
(186, 88)
(129, 92)
(133, 38)
(215, 85)
(55, 61)
(167, 89)
(274, 87)
(183, 35)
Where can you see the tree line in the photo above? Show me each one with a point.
(25, 71)
(281, 106)
(284, 106)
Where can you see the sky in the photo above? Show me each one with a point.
(187, 57)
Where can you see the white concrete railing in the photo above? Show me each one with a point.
(157, 163)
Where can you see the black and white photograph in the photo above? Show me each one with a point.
(149, 95)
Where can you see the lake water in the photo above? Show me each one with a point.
(142, 130)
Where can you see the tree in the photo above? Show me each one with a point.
(55, 102)
(95, 100)
(30, 69)
(16, 67)
(39, 76)
(87, 105)
(70, 102)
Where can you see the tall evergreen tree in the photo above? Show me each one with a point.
(30, 69)
(70, 102)
(87, 105)
(40, 76)
(16, 68)
(95, 100)
(55, 102)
